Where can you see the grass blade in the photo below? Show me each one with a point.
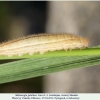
(29, 68)
(60, 53)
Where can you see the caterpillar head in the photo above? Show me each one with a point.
(86, 42)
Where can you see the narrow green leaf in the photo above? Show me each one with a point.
(60, 53)
(34, 67)
(38, 65)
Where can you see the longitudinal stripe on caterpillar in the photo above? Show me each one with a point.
(42, 43)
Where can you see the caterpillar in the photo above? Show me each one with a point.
(42, 43)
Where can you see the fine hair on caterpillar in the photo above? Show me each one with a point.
(42, 43)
